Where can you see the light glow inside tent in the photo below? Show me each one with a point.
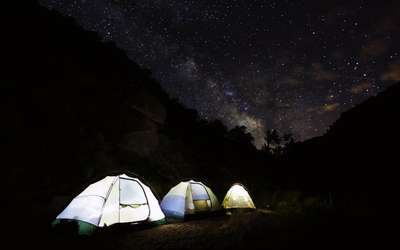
(188, 198)
(237, 197)
(114, 199)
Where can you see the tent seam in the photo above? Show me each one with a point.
(105, 200)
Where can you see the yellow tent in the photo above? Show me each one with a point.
(237, 197)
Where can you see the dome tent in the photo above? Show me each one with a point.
(189, 198)
(112, 200)
(237, 197)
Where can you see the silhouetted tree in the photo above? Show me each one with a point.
(240, 134)
(275, 142)
(288, 139)
(272, 139)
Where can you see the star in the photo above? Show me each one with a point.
(287, 65)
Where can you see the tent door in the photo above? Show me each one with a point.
(133, 203)
(201, 199)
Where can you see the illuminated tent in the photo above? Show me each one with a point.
(237, 197)
(188, 198)
(114, 199)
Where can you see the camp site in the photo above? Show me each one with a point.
(199, 124)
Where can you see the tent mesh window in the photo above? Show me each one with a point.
(201, 199)
(133, 201)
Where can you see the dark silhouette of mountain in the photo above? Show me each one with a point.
(356, 158)
(71, 95)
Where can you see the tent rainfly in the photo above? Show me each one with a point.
(112, 200)
(188, 198)
(237, 197)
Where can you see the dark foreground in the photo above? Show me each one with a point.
(259, 229)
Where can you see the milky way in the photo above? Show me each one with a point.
(288, 65)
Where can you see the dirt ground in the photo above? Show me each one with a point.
(220, 232)
(257, 229)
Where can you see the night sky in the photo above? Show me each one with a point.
(289, 65)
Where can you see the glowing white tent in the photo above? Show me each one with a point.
(114, 199)
(189, 198)
(237, 197)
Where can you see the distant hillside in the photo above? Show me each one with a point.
(357, 156)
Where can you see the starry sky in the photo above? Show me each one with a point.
(287, 65)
